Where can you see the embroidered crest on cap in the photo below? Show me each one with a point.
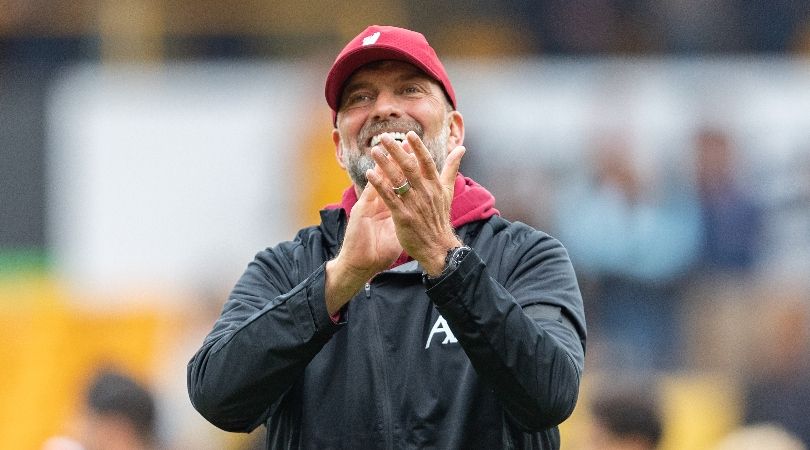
(368, 40)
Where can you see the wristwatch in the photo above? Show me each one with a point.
(453, 259)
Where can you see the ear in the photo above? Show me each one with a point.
(456, 138)
(338, 148)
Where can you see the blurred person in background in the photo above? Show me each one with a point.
(731, 249)
(413, 315)
(731, 218)
(632, 241)
(625, 419)
(118, 413)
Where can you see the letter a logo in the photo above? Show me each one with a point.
(441, 327)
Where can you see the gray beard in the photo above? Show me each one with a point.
(358, 163)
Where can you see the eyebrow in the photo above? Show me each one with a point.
(355, 86)
(411, 74)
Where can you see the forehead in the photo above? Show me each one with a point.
(385, 71)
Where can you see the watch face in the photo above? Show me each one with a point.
(451, 262)
(459, 254)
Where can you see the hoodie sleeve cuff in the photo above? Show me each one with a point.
(308, 308)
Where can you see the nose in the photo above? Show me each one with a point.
(386, 106)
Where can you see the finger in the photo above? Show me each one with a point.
(378, 181)
(423, 156)
(370, 194)
(451, 165)
(406, 161)
(389, 168)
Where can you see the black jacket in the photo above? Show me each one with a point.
(491, 357)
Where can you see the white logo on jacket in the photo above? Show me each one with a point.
(441, 327)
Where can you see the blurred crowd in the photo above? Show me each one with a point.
(685, 269)
(50, 31)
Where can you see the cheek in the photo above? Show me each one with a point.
(350, 123)
(430, 113)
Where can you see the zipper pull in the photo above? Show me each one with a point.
(368, 290)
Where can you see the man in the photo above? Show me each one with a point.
(625, 418)
(413, 316)
(118, 413)
(121, 414)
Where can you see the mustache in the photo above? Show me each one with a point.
(374, 128)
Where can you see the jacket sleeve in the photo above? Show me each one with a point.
(525, 337)
(270, 328)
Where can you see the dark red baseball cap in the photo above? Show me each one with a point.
(377, 43)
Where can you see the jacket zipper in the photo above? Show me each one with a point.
(380, 353)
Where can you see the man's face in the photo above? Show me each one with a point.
(392, 97)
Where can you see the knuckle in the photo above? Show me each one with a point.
(410, 165)
(406, 219)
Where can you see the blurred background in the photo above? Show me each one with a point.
(149, 148)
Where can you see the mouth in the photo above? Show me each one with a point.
(396, 135)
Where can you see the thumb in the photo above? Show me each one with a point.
(451, 165)
(369, 193)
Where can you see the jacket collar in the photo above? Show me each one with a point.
(333, 225)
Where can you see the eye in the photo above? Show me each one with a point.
(411, 89)
(357, 98)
